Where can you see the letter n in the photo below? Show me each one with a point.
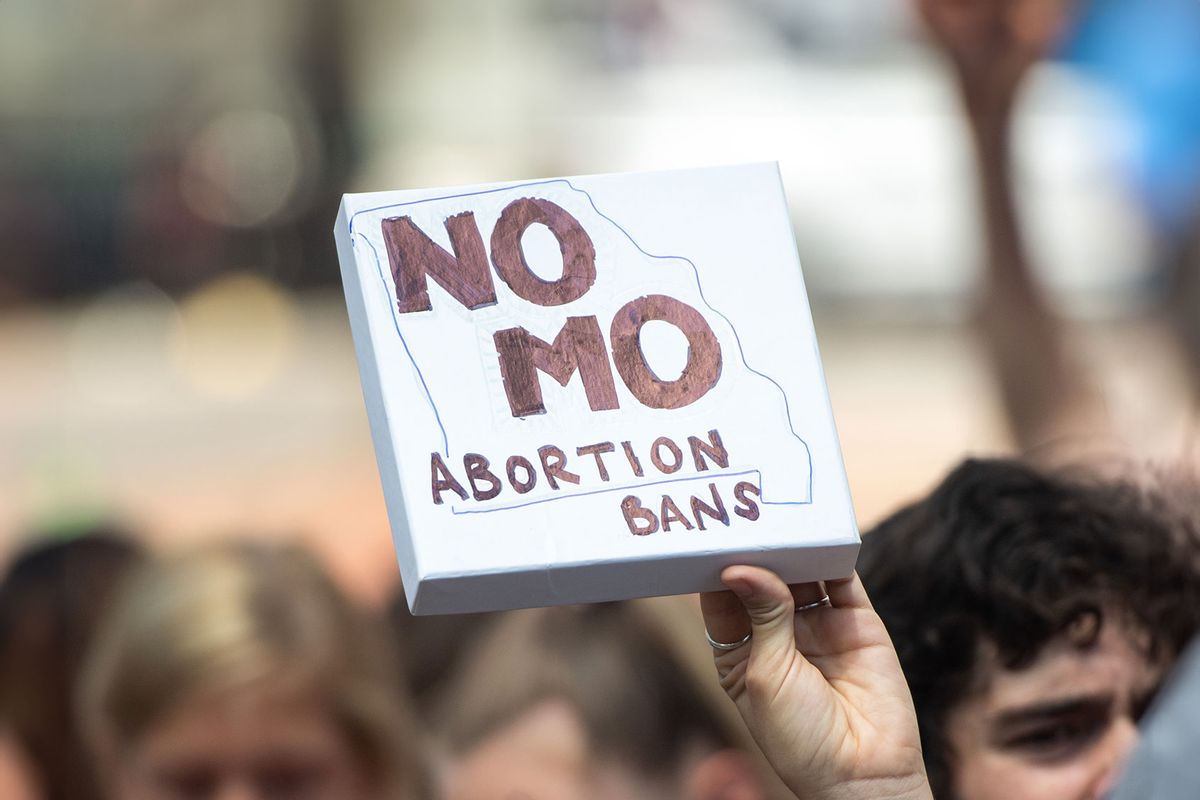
(412, 256)
(578, 346)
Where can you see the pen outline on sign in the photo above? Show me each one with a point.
(539, 501)
(699, 287)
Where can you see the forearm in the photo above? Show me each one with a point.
(1006, 264)
(1045, 388)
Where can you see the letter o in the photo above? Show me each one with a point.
(530, 474)
(704, 352)
(657, 459)
(578, 253)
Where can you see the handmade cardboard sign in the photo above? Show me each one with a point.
(593, 388)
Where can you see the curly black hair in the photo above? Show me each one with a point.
(1005, 554)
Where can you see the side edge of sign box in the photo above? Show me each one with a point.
(623, 580)
(377, 417)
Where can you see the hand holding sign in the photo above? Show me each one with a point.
(820, 689)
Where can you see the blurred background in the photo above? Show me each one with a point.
(174, 350)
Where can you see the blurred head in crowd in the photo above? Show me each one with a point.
(241, 671)
(1035, 616)
(51, 601)
(432, 649)
(587, 703)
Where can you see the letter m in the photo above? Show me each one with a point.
(578, 346)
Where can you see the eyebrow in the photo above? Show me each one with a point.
(1050, 710)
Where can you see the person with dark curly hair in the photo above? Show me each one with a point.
(1001, 639)
(1034, 616)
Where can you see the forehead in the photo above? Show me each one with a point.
(542, 753)
(229, 724)
(1115, 662)
(552, 728)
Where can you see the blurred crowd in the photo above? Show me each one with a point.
(1036, 613)
(180, 166)
(241, 670)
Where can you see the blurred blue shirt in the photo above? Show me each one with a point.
(1148, 52)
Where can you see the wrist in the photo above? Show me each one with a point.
(915, 789)
(987, 105)
(914, 786)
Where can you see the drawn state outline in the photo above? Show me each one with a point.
(390, 291)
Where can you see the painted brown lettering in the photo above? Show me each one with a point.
(441, 479)
(634, 463)
(669, 512)
(713, 448)
(716, 511)
(578, 346)
(746, 507)
(704, 352)
(530, 474)
(477, 470)
(641, 520)
(597, 450)
(657, 459)
(578, 253)
(413, 256)
(554, 463)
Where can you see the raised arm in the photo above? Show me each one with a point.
(989, 46)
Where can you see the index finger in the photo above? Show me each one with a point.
(725, 617)
(848, 592)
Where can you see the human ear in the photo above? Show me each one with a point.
(723, 775)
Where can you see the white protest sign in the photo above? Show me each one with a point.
(593, 388)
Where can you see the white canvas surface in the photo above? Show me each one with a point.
(717, 240)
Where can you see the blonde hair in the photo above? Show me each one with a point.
(232, 617)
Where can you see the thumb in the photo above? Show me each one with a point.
(769, 602)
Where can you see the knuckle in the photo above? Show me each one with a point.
(760, 686)
(769, 615)
(733, 680)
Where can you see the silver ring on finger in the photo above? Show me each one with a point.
(725, 647)
(824, 602)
